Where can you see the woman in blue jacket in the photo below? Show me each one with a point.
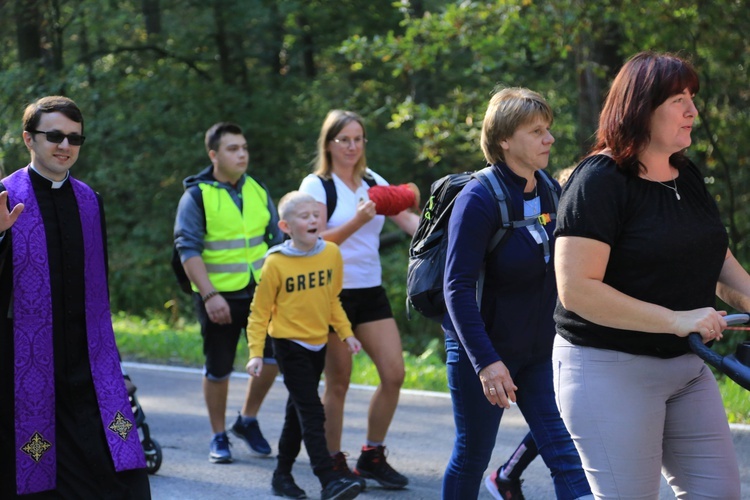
(500, 351)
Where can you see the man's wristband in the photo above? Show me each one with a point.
(210, 294)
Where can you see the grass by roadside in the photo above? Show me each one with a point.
(156, 341)
(736, 401)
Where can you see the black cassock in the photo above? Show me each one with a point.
(84, 465)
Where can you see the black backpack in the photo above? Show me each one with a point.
(179, 272)
(424, 276)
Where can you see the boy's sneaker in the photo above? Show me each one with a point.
(219, 452)
(372, 465)
(503, 489)
(342, 468)
(343, 488)
(250, 433)
(283, 485)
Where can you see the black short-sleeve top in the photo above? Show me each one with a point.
(662, 250)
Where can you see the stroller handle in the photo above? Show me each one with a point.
(728, 365)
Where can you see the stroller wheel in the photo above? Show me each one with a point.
(152, 450)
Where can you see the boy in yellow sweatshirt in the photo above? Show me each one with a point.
(296, 301)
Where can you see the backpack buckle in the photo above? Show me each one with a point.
(544, 219)
(427, 214)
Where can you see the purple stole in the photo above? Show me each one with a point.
(36, 468)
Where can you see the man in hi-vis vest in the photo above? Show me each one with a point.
(225, 223)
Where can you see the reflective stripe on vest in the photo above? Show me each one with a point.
(235, 243)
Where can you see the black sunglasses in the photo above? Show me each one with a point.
(56, 137)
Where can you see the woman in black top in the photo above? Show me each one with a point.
(641, 254)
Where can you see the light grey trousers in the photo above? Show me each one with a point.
(633, 418)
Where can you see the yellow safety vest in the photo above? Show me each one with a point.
(235, 244)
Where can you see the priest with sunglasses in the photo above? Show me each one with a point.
(66, 426)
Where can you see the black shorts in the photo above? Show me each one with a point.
(363, 305)
(220, 341)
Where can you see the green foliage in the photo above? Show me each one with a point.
(425, 372)
(420, 73)
(417, 333)
(736, 402)
(152, 339)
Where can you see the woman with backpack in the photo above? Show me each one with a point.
(499, 351)
(340, 184)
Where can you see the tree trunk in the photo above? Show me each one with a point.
(152, 16)
(56, 35)
(86, 51)
(420, 80)
(276, 39)
(597, 60)
(222, 44)
(239, 69)
(589, 97)
(28, 20)
(308, 47)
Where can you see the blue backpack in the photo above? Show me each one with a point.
(424, 275)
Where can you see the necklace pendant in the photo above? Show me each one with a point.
(677, 195)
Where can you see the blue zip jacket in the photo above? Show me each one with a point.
(515, 323)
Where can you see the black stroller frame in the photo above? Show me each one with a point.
(151, 447)
(735, 366)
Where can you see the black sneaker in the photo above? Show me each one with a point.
(283, 485)
(342, 469)
(343, 488)
(251, 435)
(372, 465)
(219, 450)
(503, 489)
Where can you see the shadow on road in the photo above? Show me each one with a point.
(419, 441)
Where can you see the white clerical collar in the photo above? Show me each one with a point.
(55, 184)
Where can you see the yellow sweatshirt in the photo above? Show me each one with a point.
(297, 299)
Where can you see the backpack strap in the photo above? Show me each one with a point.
(272, 229)
(496, 186)
(543, 219)
(551, 192)
(332, 197)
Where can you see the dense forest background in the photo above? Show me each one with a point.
(152, 75)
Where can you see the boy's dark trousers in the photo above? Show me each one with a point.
(305, 417)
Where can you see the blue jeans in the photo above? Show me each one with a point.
(477, 422)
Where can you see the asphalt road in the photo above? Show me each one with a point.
(419, 442)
